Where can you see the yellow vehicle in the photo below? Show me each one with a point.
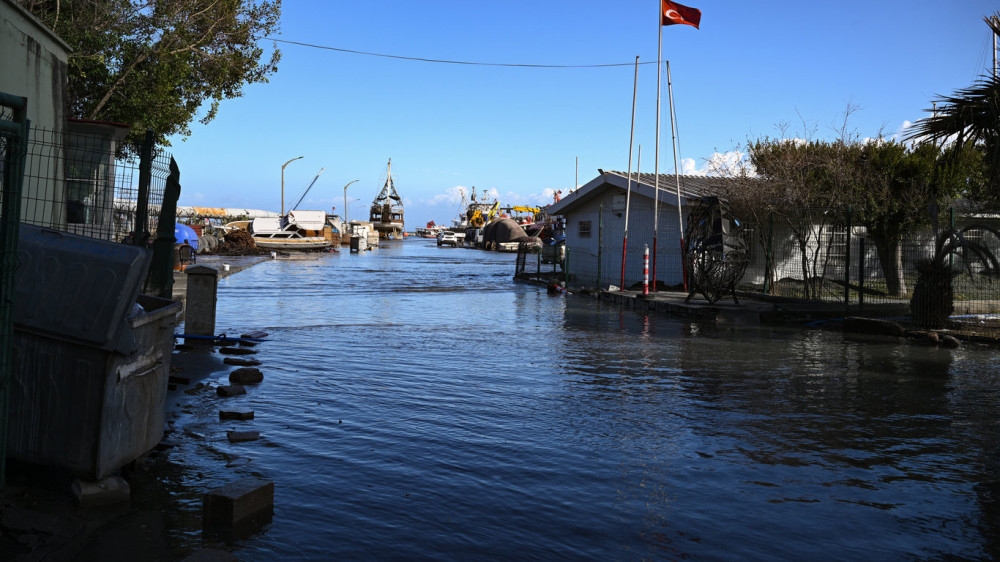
(479, 218)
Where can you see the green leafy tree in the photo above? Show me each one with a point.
(895, 183)
(155, 63)
(971, 116)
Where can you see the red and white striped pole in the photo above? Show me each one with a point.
(645, 269)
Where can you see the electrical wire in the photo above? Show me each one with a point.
(445, 61)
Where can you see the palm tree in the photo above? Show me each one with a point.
(971, 115)
(955, 252)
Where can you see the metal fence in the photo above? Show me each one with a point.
(835, 264)
(80, 181)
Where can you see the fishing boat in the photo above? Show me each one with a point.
(298, 230)
(295, 231)
(387, 210)
(429, 231)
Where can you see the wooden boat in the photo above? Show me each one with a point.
(387, 210)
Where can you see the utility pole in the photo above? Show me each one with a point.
(996, 31)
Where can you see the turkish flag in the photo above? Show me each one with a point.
(673, 13)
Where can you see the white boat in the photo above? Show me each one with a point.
(298, 230)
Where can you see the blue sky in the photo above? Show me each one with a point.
(519, 132)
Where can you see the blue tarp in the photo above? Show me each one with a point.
(185, 234)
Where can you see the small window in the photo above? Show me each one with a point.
(584, 229)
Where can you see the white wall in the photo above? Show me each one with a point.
(33, 65)
(608, 228)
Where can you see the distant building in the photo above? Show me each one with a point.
(594, 220)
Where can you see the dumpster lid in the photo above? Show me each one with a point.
(76, 288)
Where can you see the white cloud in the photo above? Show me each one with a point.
(451, 197)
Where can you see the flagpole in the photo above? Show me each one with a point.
(656, 151)
(628, 191)
(677, 177)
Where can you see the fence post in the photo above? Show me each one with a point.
(847, 262)
(161, 274)
(538, 264)
(767, 254)
(600, 242)
(141, 237)
(861, 274)
(566, 270)
(16, 133)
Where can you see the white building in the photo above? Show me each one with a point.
(594, 217)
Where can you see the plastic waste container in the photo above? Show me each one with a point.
(91, 357)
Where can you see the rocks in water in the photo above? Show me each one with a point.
(230, 390)
(246, 375)
(242, 436)
(234, 415)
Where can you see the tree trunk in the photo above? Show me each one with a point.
(890, 256)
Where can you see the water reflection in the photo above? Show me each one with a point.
(441, 411)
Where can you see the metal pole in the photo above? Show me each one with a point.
(645, 269)
(10, 224)
(847, 261)
(628, 191)
(656, 156)
(346, 219)
(996, 22)
(677, 176)
(283, 183)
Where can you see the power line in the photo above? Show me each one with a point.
(444, 61)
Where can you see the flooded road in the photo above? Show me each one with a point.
(419, 404)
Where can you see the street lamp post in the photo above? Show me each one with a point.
(283, 183)
(345, 199)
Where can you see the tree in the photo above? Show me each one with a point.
(895, 183)
(154, 63)
(805, 180)
(970, 117)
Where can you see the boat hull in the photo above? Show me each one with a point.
(306, 243)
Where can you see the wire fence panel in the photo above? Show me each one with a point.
(839, 264)
(77, 181)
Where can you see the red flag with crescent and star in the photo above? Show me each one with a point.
(672, 13)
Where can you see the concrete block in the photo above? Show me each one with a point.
(242, 436)
(246, 375)
(239, 416)
(231, 390)
(202, 289)
(236, 502)
(108, 491)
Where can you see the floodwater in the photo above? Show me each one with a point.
(419, 404)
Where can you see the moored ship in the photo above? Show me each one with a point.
(387, 210)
